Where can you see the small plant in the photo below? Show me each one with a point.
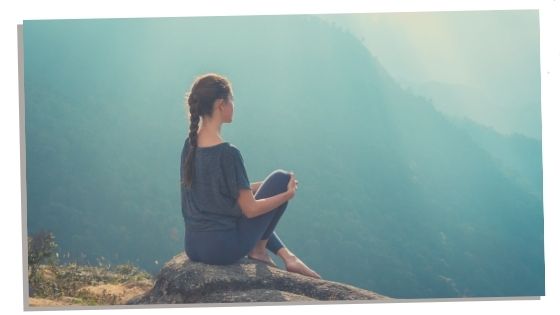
(41, 249)
(130, 272)
(127, 269)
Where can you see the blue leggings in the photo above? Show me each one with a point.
(228, 246)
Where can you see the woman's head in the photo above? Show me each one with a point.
(209, 93)
(210, 97)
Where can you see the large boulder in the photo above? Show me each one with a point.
(184, 281)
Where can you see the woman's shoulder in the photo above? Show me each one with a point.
(232, 146)
(231, 154)
(231, 150)
(226, 147)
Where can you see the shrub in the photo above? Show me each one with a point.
(41, 249)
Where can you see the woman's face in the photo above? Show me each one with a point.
(228, 109)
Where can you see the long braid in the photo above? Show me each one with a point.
(193, 137)
(204, 91)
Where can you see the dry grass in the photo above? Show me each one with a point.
(73, 284)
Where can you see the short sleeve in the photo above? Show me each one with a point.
(234, 172)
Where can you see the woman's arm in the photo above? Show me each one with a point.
(252, 207)
(255, 186)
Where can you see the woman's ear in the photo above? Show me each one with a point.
(222, 104)
(219, 104)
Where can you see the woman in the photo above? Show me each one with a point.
(226, 217)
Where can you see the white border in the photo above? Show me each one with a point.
(18, 11)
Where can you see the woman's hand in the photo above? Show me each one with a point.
(292, 185)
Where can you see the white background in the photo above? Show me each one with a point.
(15, 12)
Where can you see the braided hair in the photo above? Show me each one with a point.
(205, 90)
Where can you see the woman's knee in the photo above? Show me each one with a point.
(276, 182)
(280, 178)
(280, 175)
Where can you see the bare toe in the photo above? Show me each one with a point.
(298, 266)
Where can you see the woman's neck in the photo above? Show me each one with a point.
(209, 134)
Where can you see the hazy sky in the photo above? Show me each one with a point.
(488, 59)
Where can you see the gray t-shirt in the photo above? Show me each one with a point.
(211, 202)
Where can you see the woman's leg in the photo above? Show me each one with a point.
(226, 247)
(212, 247)
(261, 228)
(256, 233)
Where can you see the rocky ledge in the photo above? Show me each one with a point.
(184, 281)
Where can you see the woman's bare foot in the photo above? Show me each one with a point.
(294, 264)
(263, 258)
(259, 253)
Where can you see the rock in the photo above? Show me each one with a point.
(184, 281)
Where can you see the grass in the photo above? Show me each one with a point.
(74, 284)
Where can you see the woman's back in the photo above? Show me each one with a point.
(211, 202)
